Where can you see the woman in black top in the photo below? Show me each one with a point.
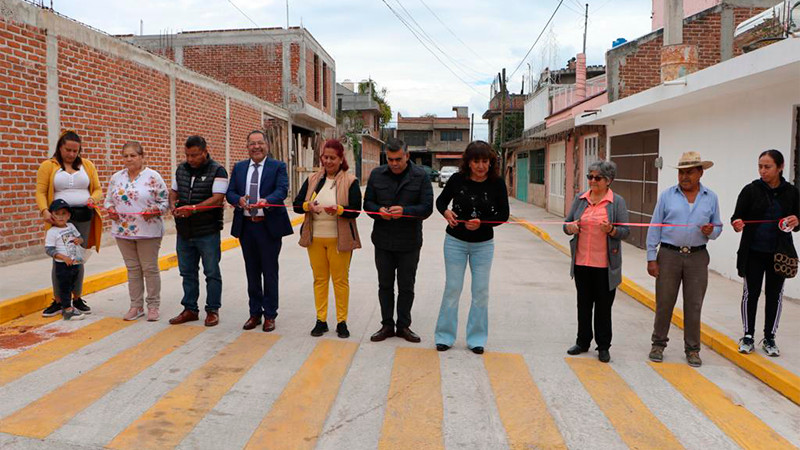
(479, 203)
(773, 200)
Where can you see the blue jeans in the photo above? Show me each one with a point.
(457, 254)
(190, 252)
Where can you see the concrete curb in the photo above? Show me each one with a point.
(773, 375)
(32, 302)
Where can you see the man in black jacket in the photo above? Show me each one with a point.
(396, 190)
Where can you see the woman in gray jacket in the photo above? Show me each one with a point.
(596, 246)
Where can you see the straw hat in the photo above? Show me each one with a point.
(692, 159)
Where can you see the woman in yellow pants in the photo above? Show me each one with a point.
(329, 232)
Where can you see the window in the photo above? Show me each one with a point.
(325, 85)
(537, 167)
(590, 155)
(451, 135)
(415, 138)
(316, 78)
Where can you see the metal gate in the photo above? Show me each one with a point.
(637, 178)
(522, 176)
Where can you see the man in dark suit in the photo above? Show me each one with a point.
(254, 182)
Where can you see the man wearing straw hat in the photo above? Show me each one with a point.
(685, 218)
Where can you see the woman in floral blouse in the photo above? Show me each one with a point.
(136, 199)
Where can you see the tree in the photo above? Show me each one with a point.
(514, 124)
(379, 95)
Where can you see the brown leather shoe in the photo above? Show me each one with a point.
(269, 325)
(252, 323)
(386, 331)
(212, 318)
(408, 335)
(186, 316)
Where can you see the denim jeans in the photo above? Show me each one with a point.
(190, 252)
(457, 254)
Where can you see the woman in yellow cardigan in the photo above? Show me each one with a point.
(330, 233)
(73, 179)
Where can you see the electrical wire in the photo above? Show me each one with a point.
(251, 20)
(537, 38)
(413, 32)
(453, 32)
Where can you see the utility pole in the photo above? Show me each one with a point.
(472, 127)
(585, 20)
(502, 76)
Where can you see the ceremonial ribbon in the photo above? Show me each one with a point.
(497, 222)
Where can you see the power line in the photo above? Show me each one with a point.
(537, 38)
(248, 17)
(432, 42)
(452, 32)
(400, 18)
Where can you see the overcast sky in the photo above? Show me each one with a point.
(366, 39)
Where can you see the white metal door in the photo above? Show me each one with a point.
(590, 155)
(558, 175)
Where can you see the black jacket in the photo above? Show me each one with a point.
(413, 192)
(752, 204)
(193, 192)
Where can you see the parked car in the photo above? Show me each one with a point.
(445, 174)
(433, 174)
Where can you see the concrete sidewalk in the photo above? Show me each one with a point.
(721, 308)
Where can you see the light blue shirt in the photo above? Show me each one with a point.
(673, 208)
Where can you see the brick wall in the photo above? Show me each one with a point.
(310, 70)
(636, 66)
(23, 130)
(254, 68)
(370, 157)
(109, 92)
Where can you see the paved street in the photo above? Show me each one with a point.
(102, 382)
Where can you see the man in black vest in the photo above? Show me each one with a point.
(397, 188)
(195, 200)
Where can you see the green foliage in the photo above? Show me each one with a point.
(514, 124)
(379, 95)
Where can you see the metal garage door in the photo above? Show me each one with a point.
(637, 178)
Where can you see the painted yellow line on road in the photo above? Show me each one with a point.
(773, 375)
(414, 410)
(738, 423)
(25, 304)
(26, 362)
(42, 417)
(168, 422)
(298, 415)
(633, 421)
(23, 324)
(522, 409)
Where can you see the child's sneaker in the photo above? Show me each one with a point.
(81, 305)
(746, 344)
(53, 310)
(72, 314)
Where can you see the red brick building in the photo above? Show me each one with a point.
(57, 74)
(287, 67)
(435, 141)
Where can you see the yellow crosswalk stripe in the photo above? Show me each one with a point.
(26, 362)
(633, 421)
(168, 422)
(738, 423)
(522, 409)
(26, 323)
(298, 415)
(48, 413)
(414, 410)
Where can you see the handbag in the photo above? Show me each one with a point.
(785, 258)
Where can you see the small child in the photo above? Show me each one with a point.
(63, 244)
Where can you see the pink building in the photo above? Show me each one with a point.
(690, 8)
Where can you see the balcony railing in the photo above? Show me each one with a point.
(564, 96)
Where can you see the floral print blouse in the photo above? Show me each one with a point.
(146, 192)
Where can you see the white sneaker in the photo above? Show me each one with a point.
(770, 348)
(133, 314)
(746, 344)
(72, 314)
